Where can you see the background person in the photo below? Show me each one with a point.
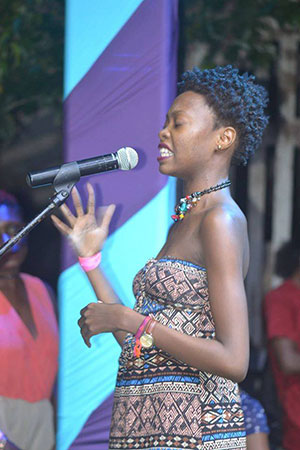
(282, 313)
(28, 344)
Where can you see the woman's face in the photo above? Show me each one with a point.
(10, 224)
(188, 137)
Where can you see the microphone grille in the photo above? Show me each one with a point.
(127, 158)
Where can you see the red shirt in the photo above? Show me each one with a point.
(28, 365)
(282, 310)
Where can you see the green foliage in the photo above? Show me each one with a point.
(240, 31)
(31, 61)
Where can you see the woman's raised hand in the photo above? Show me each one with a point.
(86, 233)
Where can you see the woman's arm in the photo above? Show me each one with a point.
(227, 355)
(104, 291)
(87, 236)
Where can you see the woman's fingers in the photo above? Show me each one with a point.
(82, 311)
(84, 331)
(77, 202)
(107, 216)
(87, 340)
(91, 199)
(61, 226)
(81, 322)
(104, 213)
(85, 324)
(68, 214)
(85, 337)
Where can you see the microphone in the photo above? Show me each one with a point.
(126, 158)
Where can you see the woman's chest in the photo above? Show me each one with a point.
(31, 324)
(184, 242)
(173, 283)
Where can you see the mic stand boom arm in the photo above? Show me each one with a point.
(63, 184)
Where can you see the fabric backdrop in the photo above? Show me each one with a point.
(120, 77)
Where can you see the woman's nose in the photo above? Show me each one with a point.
(164, 132)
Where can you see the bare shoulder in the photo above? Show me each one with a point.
(224, 218)
(224, 237)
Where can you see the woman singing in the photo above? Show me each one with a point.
(185, 343)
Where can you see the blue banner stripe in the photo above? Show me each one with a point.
(90, 27)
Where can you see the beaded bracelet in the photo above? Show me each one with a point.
(140, 331)
(90, 262)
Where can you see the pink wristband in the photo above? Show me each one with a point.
(90, 262)
(142, 327)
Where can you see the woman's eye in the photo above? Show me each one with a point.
(177, 124)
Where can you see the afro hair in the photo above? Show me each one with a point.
(235, 100)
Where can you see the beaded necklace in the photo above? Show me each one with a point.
(186, 203)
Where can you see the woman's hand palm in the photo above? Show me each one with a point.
(85, 233)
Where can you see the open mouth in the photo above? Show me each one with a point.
(164, 153)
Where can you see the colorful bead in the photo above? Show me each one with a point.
(186, 203)
(183, 207)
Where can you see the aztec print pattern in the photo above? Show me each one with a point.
(162, 403)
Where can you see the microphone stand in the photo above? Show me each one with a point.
(66, 178)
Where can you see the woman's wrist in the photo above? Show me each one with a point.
(86, 253)
(129, 319)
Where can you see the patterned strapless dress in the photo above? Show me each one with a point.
(161, 403)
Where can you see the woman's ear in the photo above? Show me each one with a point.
(226, 138)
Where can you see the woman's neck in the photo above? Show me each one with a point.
(201, 184)
(9, 277)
